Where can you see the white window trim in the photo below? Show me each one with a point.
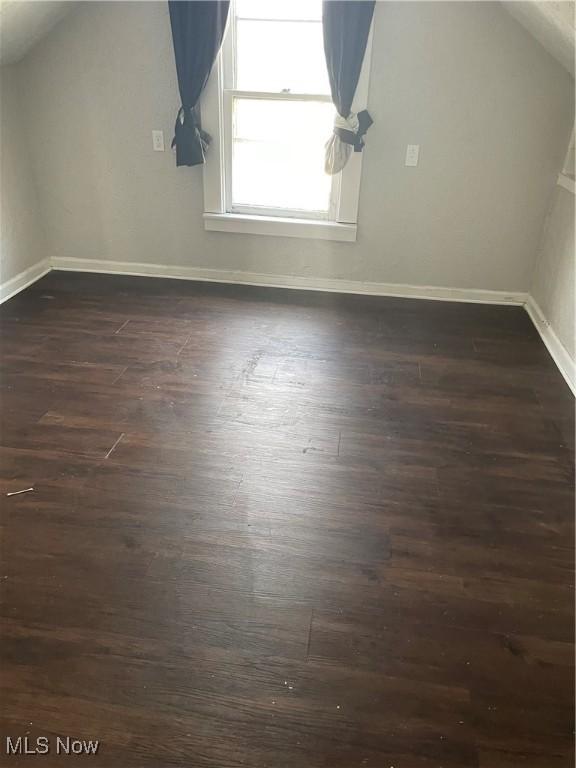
(343, 224)
(228, 97)
(315, 229)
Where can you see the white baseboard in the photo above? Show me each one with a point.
(564, 361)
(560, 354)
(332, 285)
(23, 279)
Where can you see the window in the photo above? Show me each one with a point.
(280, 110)
(269, 111)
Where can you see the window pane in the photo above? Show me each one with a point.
(279, 55)
(278, 154)
(279, 9)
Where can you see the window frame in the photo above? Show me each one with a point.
(229, 95)
(219, 214)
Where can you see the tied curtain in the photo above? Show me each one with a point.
(346, 26)
(197, 30)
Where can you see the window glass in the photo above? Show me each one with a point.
(278, 154)
(280, 55)
(279, 9)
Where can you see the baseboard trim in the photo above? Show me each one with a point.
(566, 365)
(564, 361)
(24, 279)
(436, 293)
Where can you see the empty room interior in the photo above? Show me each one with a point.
(287, 376)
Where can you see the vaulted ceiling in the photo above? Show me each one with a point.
(24, 23)
(551, 23)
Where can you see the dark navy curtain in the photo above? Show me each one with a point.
(197, 30)
(346, 26)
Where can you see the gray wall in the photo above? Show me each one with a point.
(553, 283)
(489, 107)
(21, 239)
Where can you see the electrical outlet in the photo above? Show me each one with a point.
(412, 153)
(158, 141)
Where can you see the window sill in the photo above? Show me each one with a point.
(312, 229)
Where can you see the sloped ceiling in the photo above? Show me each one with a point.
(551, 23)
(24, 22)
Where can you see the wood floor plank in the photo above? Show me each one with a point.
(287, 529)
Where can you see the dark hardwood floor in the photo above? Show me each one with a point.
(275, 529)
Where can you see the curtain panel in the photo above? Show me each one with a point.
(346, 26)
(198, 27)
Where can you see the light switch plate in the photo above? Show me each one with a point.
(158, 141)
(412, 153)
